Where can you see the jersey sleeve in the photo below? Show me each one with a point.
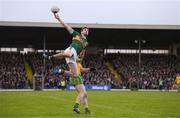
(75, 33)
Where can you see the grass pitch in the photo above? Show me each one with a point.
(103, 104)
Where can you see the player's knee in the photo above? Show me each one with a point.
(84, 95)
(67, 54)
(81, 95)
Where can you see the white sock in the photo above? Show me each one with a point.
(78, 99)
(84, 100)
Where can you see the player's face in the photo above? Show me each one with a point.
(85, 31)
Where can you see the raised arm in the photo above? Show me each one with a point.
(82, 54)
(86, 70)
(66, 26)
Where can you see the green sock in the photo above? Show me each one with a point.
(86, 109)
(76, 105)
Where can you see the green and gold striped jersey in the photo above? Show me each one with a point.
(79, 42)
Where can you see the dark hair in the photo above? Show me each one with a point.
(84, 28)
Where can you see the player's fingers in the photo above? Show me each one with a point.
(55, 15)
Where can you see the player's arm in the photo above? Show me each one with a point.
(82, 54)
(66, 26)
(86, 70)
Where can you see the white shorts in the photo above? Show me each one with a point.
(74, 55)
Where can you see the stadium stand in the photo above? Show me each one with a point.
(12, 71)
(154, 68)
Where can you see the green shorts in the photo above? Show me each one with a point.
(178, 84)
(76, 81)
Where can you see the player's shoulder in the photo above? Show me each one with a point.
(75, 33)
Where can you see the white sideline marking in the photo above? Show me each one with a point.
(10, 90)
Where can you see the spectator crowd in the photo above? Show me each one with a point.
(155, 70)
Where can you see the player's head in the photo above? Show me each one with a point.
(85, 31)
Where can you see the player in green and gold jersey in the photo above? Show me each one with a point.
(78, 45)
(80, 88)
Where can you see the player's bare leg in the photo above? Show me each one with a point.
(82, 97)
(65, 54)
(78, 101)
(73, 70)
(72, 73)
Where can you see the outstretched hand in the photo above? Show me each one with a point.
(56, 16)
(66, 26)
(92, 69)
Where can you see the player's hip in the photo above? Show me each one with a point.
(76, 81)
